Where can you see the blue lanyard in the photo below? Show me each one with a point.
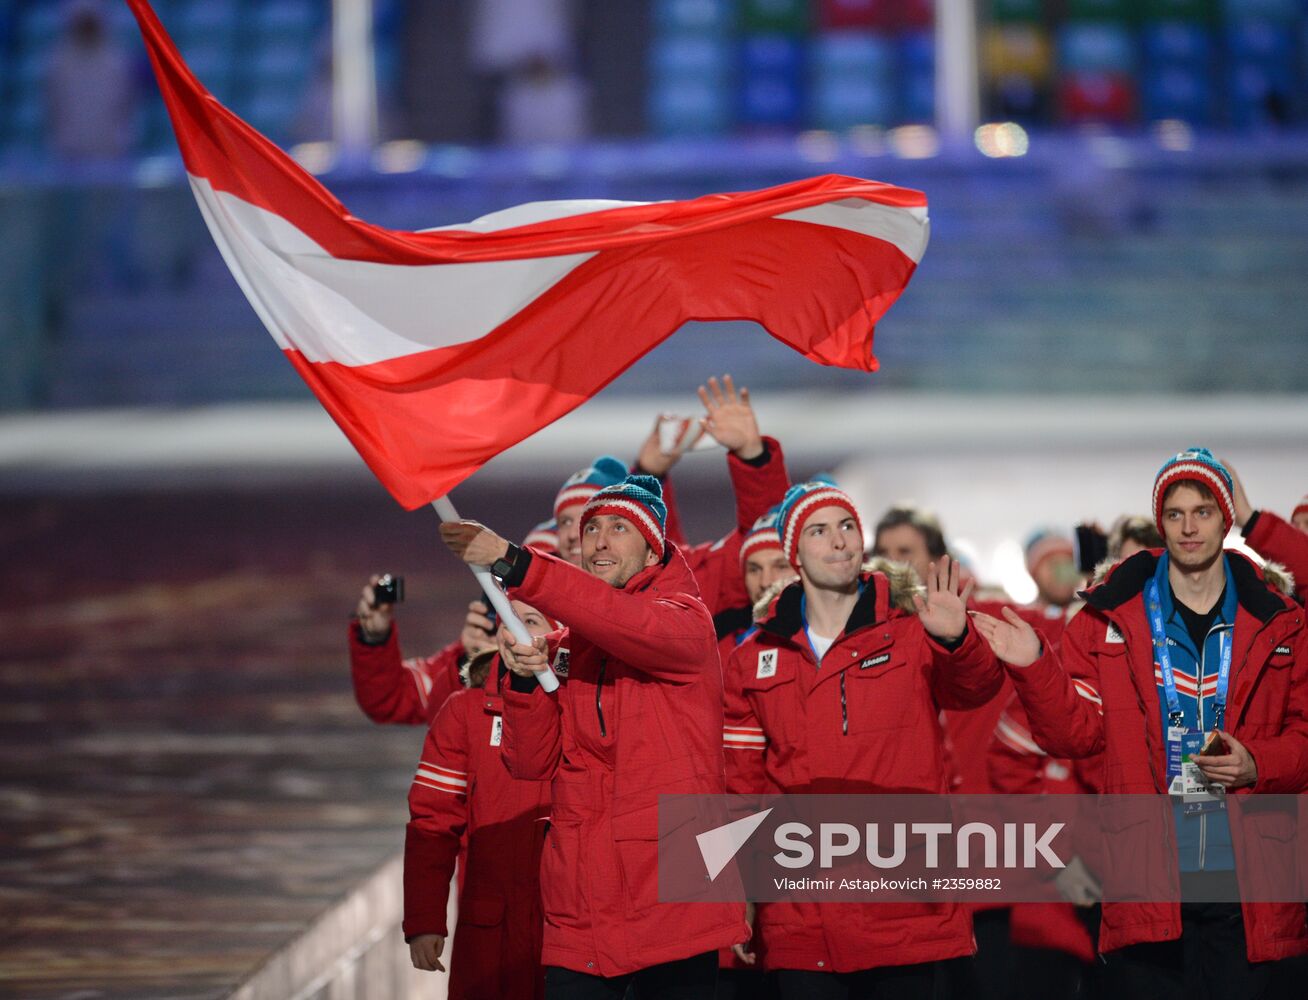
(1164, 657)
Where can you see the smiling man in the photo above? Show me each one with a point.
(1225, 650)
(639, 716)
(839, 692)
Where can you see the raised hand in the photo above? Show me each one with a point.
(1239, 498)
(1013, 641)
(943, 612)
(374, 621)
(729, 419)
(474, 543)
(478, 633)
(653, 460)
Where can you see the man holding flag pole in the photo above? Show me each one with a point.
(635, 721)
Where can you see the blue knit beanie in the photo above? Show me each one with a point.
(581, 486)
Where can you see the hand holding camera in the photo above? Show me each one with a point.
(376, 609)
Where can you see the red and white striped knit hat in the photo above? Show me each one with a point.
(638, 499)
(801, 502)
(1199, 465)
(581, 486)
(762, 535)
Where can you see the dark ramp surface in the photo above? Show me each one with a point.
(186, 782)
(185, 779)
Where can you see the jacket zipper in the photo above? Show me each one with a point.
(1199, 684)
(844, 708)
(599, 695)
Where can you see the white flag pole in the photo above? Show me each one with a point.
(499, 600)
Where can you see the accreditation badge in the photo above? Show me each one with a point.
(1184, 777)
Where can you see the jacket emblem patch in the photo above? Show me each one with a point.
(497, 730)
(560, 664)
(1114, 634)
(874, 661)
(767, 664)
(1282, 651)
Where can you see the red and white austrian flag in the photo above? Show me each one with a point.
(436, 350)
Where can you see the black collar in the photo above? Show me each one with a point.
(732, 620)
(1127, 580)
(786, 619)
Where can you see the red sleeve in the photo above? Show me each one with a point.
(1282, 760)
(744, 744)
(533, 732)
(716, 565)
(1276, 539)
(1014, 760)
(758, 488)
(965, 677)
(669, 637)
(438, 816)
(392, 690)
(1060, 692)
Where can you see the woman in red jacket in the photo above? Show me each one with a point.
(463, 786)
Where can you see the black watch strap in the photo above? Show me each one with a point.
(503, 566)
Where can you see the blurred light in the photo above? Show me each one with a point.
(1111, 150)
(315, 157)
(914, 142)
(453, 161)
(157, 171)
(548, 162)
(818, 146)
(868, 140)
(1174, 135)
(1009, 567)
(1002, 139)
(403, 156)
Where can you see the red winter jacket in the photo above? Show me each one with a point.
(716, 565)
(970, 732)
(1280, 541)
(1018, 766)
(865, 721)
(390, 689)
(1097, 694)
(639, 716)
(462, 786)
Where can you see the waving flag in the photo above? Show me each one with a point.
(436, 350)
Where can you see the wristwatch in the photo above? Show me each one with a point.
(503, 566)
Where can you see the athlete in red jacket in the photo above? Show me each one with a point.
(391, 689)
(839, 691)
(640, 715)
(1097, 693)
(463, 788)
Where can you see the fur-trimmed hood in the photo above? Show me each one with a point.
(1117, 581)
(778, 608)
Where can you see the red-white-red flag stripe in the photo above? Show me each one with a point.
(436, 350)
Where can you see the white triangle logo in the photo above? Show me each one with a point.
(719, 845)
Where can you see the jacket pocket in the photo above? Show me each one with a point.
(880, 697)
(560, 874)
(637, 841)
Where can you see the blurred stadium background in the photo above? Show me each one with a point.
(1118, 269)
